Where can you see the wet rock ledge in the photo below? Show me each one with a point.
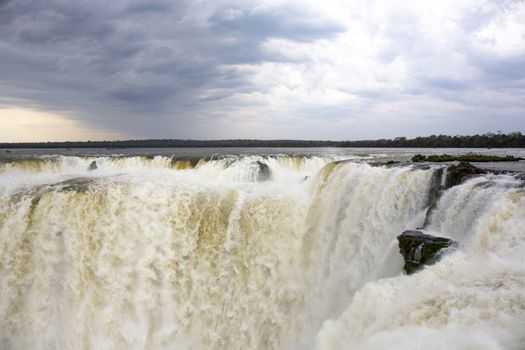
(419, 249)
(458, 173)
(263, 171)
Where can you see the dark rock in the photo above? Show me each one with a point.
(419, 249)
(389, 163)
(93, 165)
(422, 166)
(80, 184)
(458, 173)
(263, 173)
(392, 162)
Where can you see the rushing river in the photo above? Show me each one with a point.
(254, 249)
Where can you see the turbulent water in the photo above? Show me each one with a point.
(253, 252)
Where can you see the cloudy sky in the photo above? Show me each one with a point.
(213, 69)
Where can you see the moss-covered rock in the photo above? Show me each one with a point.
(419, 249)
(469, 157)
(419, 158)
(458, 173)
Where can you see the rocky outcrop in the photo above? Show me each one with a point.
(458, 173)
(93, 165)
(419, 249)
(263, 172)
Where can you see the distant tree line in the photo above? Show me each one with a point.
(489, 140)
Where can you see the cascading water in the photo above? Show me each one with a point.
(165, 253)
(473, 299)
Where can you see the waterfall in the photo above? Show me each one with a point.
(473, 299)
(166, 253)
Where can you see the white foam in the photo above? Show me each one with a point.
(139, 255)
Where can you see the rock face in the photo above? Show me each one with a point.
(456, 174)
(434, 194)
(93, 165)
(419, 249)
(264, 173)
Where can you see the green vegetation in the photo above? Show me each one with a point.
(464, 158)
(489, 140)
(419, 249)
(419, 158)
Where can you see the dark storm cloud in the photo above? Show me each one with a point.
(287, 23)
(148, 6)
(103, 59)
